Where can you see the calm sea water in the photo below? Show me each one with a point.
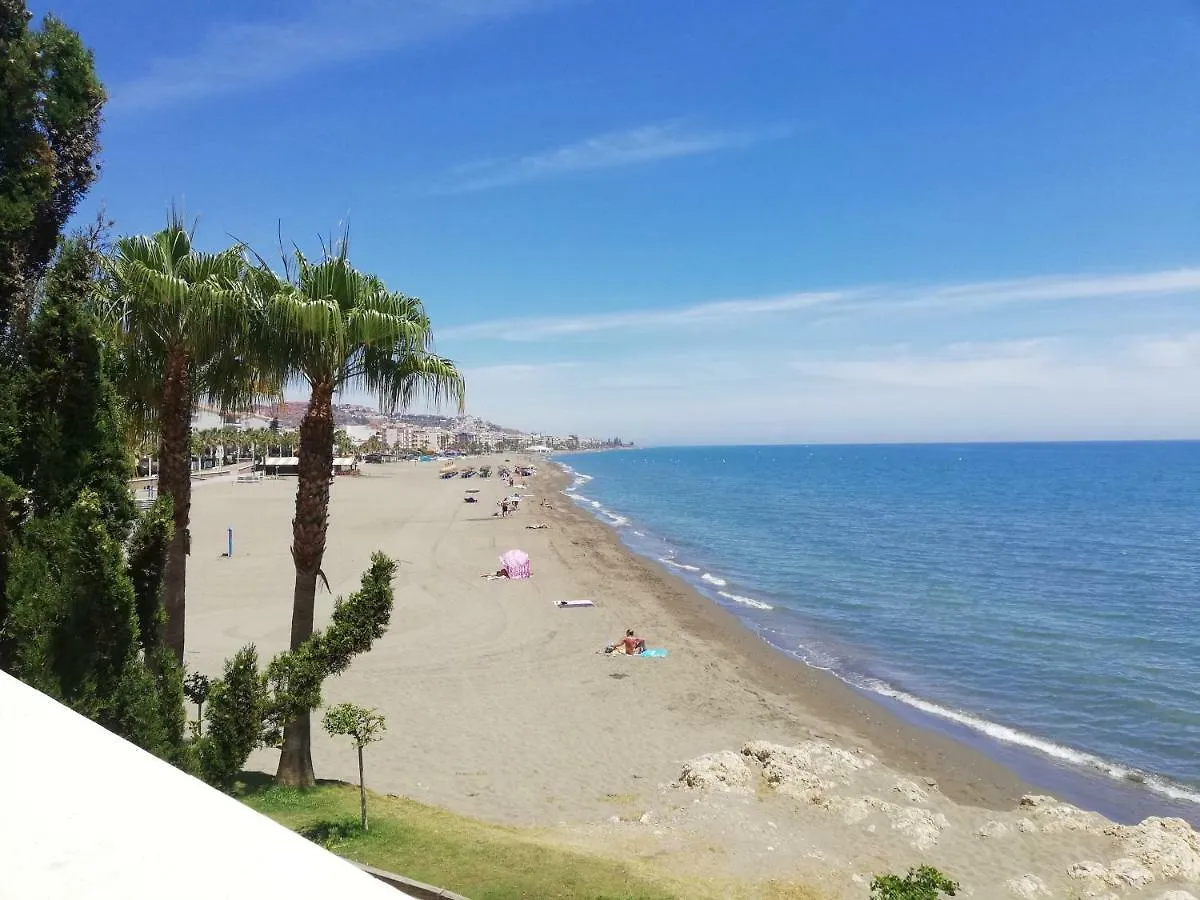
(1038, 599)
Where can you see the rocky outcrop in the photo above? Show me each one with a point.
(1120, 873)
(725, 771)
(810, 760)
(838, 788)
(1170, 848)
(814, 772)
(1049, 816)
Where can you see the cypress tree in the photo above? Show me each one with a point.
(73, 596)
(49, 140)
(83, 583)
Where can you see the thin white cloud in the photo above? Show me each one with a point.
(613, 149)
(1057, 287)
(509, 372)
(1137, 386)
(1168, 352)
(1015, 364)
(240, 55)
(873, 300)
(703, 313)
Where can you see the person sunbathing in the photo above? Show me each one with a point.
(631, 644)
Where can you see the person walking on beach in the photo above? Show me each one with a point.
(504, 508)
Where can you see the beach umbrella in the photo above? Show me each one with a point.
(515, 563)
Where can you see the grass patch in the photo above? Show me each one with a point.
(479, 860)
(475, 859)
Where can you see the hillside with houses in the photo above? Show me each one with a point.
(366, 429)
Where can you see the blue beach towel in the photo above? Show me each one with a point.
(657, 652)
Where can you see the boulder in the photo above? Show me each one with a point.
(992, 829)
(1028, 886)
(922, 827)
(1128, 872)
(1088, 869)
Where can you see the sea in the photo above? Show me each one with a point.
(1036, 601)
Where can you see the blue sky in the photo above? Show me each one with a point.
(711, 221)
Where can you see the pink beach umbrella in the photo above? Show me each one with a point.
(516, 563)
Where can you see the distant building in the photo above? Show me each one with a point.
(359, 434)
(205, 419)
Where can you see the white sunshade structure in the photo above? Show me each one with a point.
(285, 461)
(89, 815)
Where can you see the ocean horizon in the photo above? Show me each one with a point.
(1030, 598)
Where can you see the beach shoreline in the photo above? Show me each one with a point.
(1092, 783)
(963, 773)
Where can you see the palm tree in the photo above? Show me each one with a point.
(176, 313)
(332, 327)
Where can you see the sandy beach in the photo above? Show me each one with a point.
(726, 759)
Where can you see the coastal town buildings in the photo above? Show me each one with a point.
(403, 433)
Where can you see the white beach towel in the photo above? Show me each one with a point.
(571, 604)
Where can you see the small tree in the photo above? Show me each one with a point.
(196, 687)
(364, 726)
(924, 883)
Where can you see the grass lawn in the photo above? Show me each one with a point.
(480, 861)
(472, 858)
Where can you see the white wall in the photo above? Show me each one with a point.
(84, 814)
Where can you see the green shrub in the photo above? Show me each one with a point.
(924, 883)
(236, 706)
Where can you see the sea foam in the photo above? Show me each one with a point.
(745, 601)
(1007, 735)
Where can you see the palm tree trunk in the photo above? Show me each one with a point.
(175, 480)
(308, 551)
